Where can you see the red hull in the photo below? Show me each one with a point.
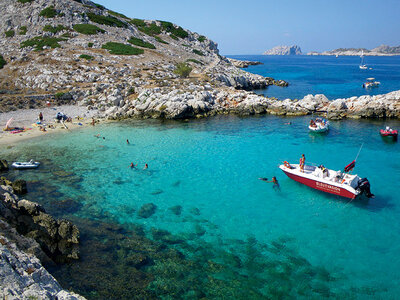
(321, 186)
(392, 133)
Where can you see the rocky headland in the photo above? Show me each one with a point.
(243, 63)
(284, 50)
(29, 237)
(382, 50)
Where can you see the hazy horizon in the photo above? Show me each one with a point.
(313, 25)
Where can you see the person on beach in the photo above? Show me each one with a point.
(302, 162)
(93, 121)
(146, 166)
(40, 117)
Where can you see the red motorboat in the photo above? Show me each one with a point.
(329, 181)
(389, 132)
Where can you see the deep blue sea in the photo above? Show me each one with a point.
(219, 232)
(335, 77)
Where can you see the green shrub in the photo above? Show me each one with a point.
(106, 20)
(183, 70)
(99, 6)
(40, 42)
(54, 29)
(85, 56)
(138, 22)
(59, 95)
(48, 12)
(25, 1)
(90, 45)
(141, 43)
(122, 49)
(160, 40)
(198, 52)
(176, 31)
(2, 62)
(151, 29)
(23, 30)
(174, 37)
(185, 45)
(117, 14)
(201, 38)
(9, 33)
(88, 29)
(194, 61)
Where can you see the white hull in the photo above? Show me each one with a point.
(25, 165)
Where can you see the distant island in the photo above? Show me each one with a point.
(284, 50)
(382, 50)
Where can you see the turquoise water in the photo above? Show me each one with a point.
(338, 77)
(211, 168)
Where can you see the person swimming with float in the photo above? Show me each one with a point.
(274, 181)
(132, 166)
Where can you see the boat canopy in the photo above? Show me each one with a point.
(371, 79)
(350, 166)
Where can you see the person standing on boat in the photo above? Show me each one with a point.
(302, 162)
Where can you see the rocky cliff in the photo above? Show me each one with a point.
(284, 50)
(81, 52)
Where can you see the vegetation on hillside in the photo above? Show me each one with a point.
(122, 49)
(85, 56)
(183, 70)
(194, 61)
(88, 29)
(176, 31)
(198, 52)
(9, 33)
(23, 30)
(25, 1)
(201, 38)
(106, 20)
(160, 40)
(48, 12)
(141, 43)
(40, 42)
(54, 29)
(118, 14)
(2, 62)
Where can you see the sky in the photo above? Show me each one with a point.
(254, 26)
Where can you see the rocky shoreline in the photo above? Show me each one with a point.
(29, 237)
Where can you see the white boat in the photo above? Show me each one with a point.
(329, 181)
(319, 125)
(26, 165)
(363, 66)
(370, 83)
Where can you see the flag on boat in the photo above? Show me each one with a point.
(350, 166)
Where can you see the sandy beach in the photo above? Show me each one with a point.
(28, 118)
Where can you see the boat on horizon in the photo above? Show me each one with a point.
(338, 183)
(318, 125)
(362, 66)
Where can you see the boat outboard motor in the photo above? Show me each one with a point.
(365, 187)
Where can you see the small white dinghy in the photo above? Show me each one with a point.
(26, 165)
(319, 125)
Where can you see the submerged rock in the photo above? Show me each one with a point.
(3, 165)
(147, 210)
(19, 187)
(177, 210)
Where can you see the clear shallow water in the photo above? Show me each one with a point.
(334, 77)
(211, 168)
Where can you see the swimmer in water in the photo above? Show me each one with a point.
(145, 166)
(274, 181)
(132, 166)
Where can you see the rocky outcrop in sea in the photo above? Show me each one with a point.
(243, 63)
(284, 50)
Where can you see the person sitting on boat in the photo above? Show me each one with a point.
(312, 123)
(325, 172)
(302, 162)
